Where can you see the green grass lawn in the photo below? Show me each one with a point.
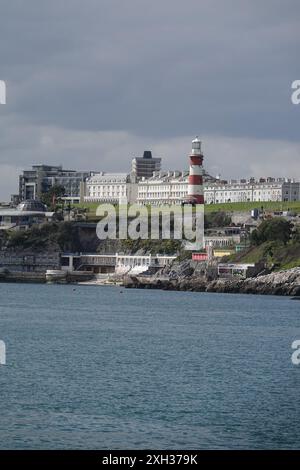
(228, 207)
(247, 206)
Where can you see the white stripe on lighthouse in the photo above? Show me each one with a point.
(194, 190)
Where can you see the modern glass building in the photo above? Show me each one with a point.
(33, 183)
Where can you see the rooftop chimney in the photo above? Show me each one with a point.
(147, 154)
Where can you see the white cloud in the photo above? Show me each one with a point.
(9, 183)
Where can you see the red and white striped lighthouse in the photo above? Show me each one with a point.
(195, 186)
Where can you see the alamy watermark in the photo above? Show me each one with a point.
(295, 97)
(185, 223)
(2, 344)
(2, 92)
(296, 354)
(2, 353)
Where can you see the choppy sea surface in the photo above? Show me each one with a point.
(109, 368)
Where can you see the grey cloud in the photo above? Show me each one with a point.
(154, 68)
(156, 71)
(113, 150)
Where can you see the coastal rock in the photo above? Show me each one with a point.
(276, 283)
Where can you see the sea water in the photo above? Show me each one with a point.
(108, 368)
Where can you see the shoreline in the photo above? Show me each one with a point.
(283, 283)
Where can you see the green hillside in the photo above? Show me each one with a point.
(228, 207)
(247, 206)
(273, 253)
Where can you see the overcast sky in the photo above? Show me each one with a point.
(91, 83)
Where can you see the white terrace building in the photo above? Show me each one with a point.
(258, 191)
(169, 187)
(109, 187)
(163, 188)
(172, 188)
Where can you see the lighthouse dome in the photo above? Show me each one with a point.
(196, 146)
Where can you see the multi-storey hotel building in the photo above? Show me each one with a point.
(109, 187)
(247, 191)
(172, 188)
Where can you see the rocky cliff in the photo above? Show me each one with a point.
(277, 283)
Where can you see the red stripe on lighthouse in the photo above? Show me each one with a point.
(196, 159)
(195, 179)
(199, 199)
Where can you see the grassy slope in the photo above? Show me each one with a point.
(284, 256)
(247, 206)
(230, 207)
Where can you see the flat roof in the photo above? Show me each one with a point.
(14, 212)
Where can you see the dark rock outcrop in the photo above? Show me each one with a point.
(277, 283)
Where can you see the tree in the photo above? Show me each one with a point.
(276, 229)
(216, 219)
(296, 235)
(53, 196)
(254, 237)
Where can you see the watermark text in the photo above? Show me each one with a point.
(2, 353)
(295, 97)
(2, 92)
(185, 223)
(296, 354)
